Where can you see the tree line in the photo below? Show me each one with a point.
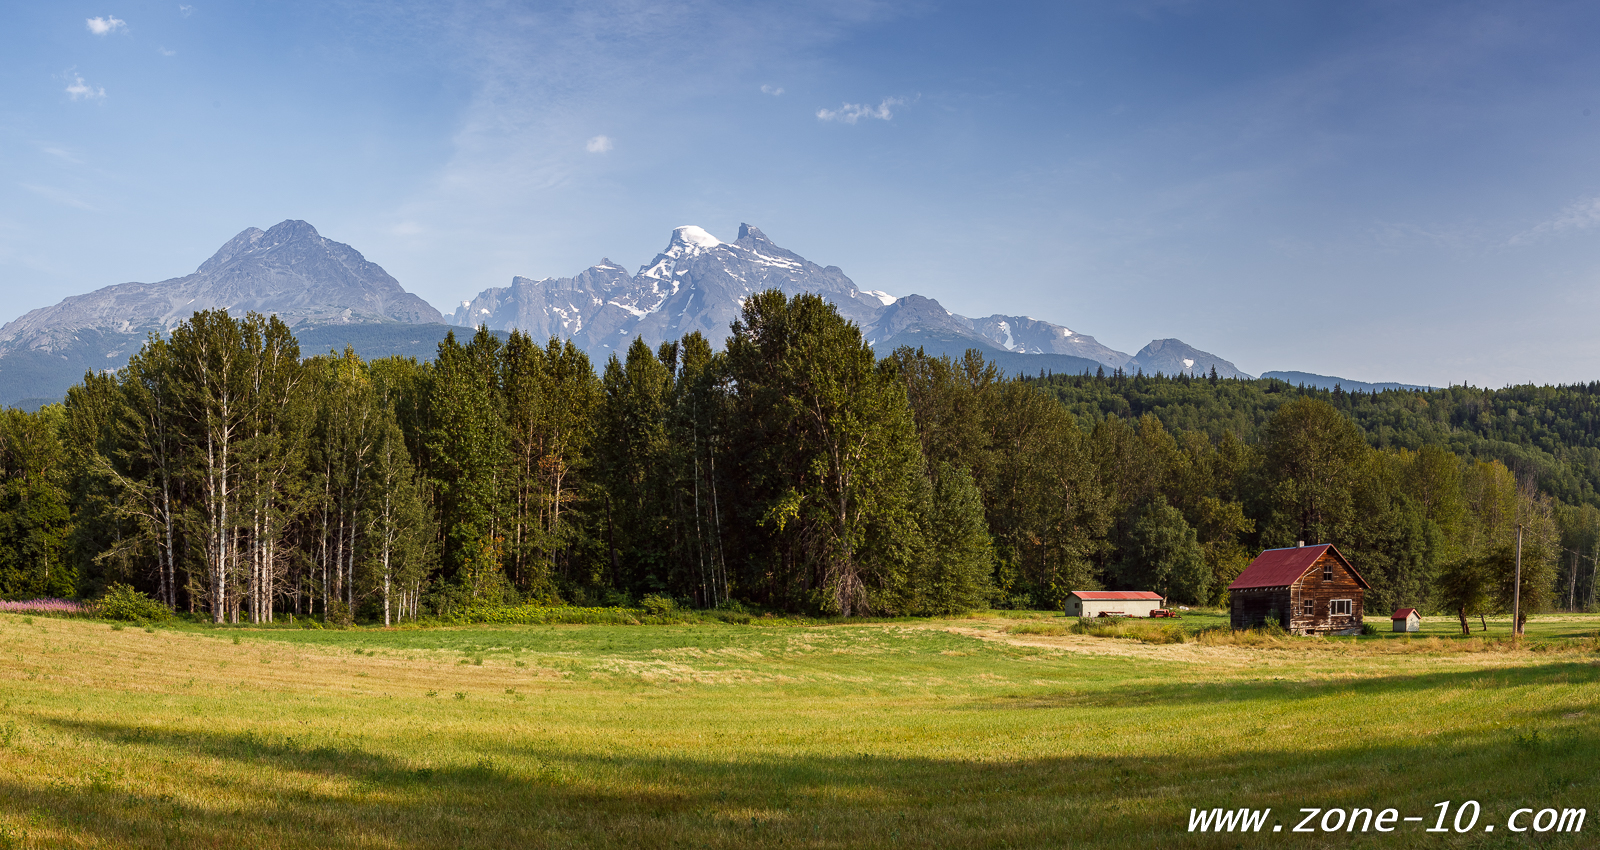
(230, 477)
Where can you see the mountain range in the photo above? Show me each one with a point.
(333, 296)
(699, 283)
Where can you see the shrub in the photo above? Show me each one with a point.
(338, 615)
(122, 602)
(657, 605)
(537, 615)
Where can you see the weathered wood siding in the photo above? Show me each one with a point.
(1253, 608)
(1321, 593)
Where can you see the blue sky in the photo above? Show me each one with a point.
(1382, 191)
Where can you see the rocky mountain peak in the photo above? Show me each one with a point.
(239, 245)
(1176, 357)
(290, 230)
(288, 270)
(700, 283)
(690, 239)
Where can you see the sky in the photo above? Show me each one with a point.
(1379, 191)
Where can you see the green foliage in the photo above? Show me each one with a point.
(657, 605)
(1163, 552)
(832, 471)
(957, 570)
(35, 519)
(538, 615)
(223, 473)
(122, 602)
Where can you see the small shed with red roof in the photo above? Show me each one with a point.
(1407, 620)
(1306, 589)
(1127, 603)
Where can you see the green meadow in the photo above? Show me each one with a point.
(990, 731)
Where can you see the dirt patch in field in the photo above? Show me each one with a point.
(1434, 652)
(1086, 645)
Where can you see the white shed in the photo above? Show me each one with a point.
(1128, 603)
(1407, 620)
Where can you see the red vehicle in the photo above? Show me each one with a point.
(1163, 612)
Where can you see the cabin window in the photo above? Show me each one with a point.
(1308, 608)
(1327, 571)
(1339, 606)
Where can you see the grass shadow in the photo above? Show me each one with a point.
(246, 789)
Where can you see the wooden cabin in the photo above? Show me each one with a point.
(1308, 590)
(1406, 620)
(1112, 603)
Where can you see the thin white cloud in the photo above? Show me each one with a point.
(80, 90)
(105, 25)
(772, 90)
(60, 153)
(185, 11)
(165, 52)
(1578, 215)
(598, 144)
(850, 113)
(59, 196)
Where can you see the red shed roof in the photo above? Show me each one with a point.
(1283, 567)
(1404, 613)
(1112, 595)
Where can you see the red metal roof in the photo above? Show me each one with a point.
(1404, 613)
(1111, 595)
(1283, 567)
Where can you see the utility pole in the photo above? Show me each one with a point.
(1516, 592)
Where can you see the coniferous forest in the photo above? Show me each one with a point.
(227, 475)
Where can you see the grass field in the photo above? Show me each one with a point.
(960, 733)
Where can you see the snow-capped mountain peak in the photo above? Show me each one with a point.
(690, 238)
(700, 283)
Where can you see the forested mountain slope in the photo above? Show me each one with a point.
(1549, 432)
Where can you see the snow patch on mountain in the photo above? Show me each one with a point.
(701, 283)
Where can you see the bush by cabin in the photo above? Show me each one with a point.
(1112, 603)
(1307, 590)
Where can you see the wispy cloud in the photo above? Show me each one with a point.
(80, 90)
(528, 128)
(60, 196)
(165, 52)
(105, 25)
(772, 90)
(186, 11)
(598, 144)
(60, 153)
(850, 113)
(1578, 215)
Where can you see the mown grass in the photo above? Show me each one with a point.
(906, 733)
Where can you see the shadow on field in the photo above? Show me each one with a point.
(247, 790)
(1299, 689)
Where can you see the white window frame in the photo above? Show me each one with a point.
(1349, 606)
